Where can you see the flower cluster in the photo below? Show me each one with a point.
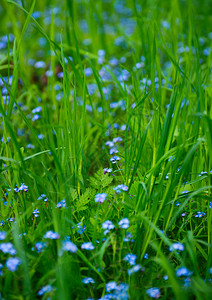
(124, 223)
(22, 188)
(108, 225)
(12, 263)
(51, 235)
(100, 198)
(120, 187)
(43, 197)
(61, 203)
(8, 248)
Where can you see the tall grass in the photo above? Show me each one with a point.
(75, 75)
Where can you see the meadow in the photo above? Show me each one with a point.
(106, 149)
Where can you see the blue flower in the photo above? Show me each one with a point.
(118, 139)
(146, 256)
(199, 214)
(108, 225)
(187, 282)
(35, 117)
(51, 235)
(120, 187)
(7, 248)
(128, 237)
(43, 197)
(130, 258)
(183, 271)
(45, 289)
(109, 144)
(40, 136)
(165, 277)
(112, 285)
(12, 263)
(176, 246)
(30, 146)
(100, 197)
(1, 266)
(134, 269)
(114, 159)
(23, 188)
(36, 212)
(39, 246)
(81, 228)
(87, 246)
(107, 170)
(153, 292)
(124, 223)
(37, 110)
(62, 203)
(69, 246)
(2, 235)
(113, 150)
(88, 280)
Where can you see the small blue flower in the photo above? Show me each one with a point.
(183, 271)
(51, 235)
(112, 285)
(199, 214)
(37, 110)
(109, 144)
(124, 223)
(36, 212)
(1, 266)
(61, 204)
(2, 235)
(130, 258)
(23, 188)
(88, 280)
(187, 282)
(120, 187)
(87, 246)
(45, 289)
(35, 117)
(146, 256)
(114, 159)
(153, 292)
(118, 139)
(100, 197)
(30, 146)
(40, 136)
(107, 170)
(81, 228)
(43, 197)
(165, 277)
(128, 237)
(7, 248)
(12, 263)
(113, 150)
(69, 246)
(39, 246)
(108, 225)
(134, 269)
(176, 246)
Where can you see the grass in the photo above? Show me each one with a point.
(85, 86)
